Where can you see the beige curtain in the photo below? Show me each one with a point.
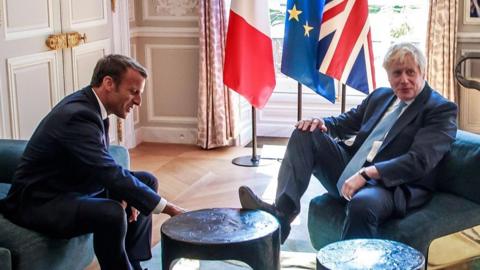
(442, 47)
(215, 114)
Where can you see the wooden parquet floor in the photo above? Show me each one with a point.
(194, 178)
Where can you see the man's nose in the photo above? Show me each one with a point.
(404, 78)
(137, 100)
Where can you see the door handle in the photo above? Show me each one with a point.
(65, 40)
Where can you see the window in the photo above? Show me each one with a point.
(390, 21)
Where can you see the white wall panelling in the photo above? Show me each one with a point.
(33, 90)
(23, 25)
(81, 17)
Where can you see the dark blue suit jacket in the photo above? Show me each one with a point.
(415, 144)
(67, 156)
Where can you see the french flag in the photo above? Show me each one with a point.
(249, 68)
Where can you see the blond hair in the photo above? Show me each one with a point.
(397, 52)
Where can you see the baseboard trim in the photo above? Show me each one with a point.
(166, 135)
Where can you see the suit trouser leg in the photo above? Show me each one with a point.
(307, 153)
(318, 154)
(138, 241)
(367, 209)
(106, 219)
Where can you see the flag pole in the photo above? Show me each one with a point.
(299, 102)
(254, 159)
(344, 97)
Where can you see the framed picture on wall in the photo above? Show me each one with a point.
(472, 12)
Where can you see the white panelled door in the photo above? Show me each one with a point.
(33, 77)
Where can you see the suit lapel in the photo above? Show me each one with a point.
(407, 116)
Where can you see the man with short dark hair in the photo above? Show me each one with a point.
(67, 183)
(378, 158)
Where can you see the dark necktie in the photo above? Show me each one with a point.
(377, 134)
(106, 125)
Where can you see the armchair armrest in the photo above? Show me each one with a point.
(10, 153)
(120, 155)
(6, 259)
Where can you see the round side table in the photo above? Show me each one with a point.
(373, 254)
(250, 236)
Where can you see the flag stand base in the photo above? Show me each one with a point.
(251, 161)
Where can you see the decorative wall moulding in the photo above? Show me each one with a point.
(131, 10)
(150, 95)
(468, 37)
(175, 7)
(170, 10)
(48, 61)
(173, 32)
(13, 28)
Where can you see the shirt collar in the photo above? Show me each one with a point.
(103, 111)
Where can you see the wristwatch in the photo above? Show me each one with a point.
(363, 173)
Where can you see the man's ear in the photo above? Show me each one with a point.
(108, 83)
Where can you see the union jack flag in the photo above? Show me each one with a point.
(345, 44)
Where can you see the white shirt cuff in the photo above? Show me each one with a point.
(160, 206)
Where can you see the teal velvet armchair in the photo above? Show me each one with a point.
(23, 249)
(455, 205)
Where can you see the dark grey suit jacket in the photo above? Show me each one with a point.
(67, 156)
(415, 144)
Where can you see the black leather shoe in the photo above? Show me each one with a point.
(249, 200)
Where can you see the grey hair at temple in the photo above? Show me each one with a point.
(398, 51)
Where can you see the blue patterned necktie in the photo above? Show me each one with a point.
(377, 134)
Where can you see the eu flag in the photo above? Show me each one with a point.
(300, 45)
